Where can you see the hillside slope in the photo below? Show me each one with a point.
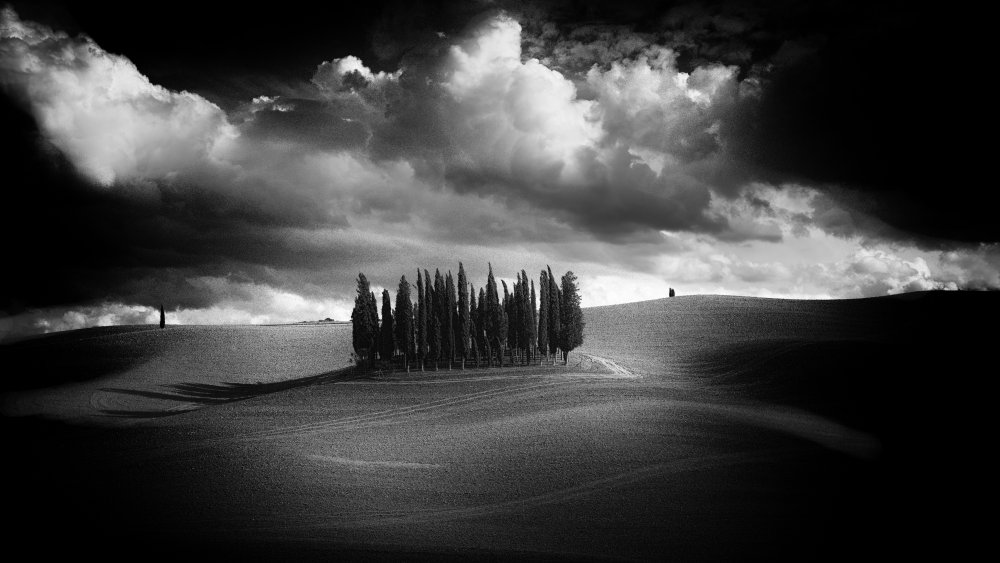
(757, 430)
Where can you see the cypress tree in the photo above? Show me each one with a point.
(364, 324)
(433, 319)
(404, 321)
(525, 332)
(464, 315)
(543, 314)
(496, 325)
(482, 321)
(387, 340)
(163, 317)
(449, 318)
(533, 321)
(571, 316)
(473, 345)
(373, 313)
(515, 316)
(421, 321)
(413, 335)
(509, 339)
(518, 308)
(504, 323)
(473, 323)
(554, 327)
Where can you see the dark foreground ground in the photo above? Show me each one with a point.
(755, 430)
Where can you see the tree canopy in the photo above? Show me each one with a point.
(364, 320)
(448, 321)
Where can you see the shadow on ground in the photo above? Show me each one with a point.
(67, 357)
(220, 393)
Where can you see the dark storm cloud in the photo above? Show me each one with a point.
(858, 96)
(67, 242)
(606, 209)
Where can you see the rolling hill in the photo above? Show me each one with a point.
(700, 427)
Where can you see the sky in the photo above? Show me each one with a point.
(243, 166)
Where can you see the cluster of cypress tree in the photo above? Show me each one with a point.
(445, 326)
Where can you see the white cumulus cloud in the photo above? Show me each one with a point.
(98, 109)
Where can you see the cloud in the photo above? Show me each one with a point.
(646, 102)
(350, 74)
(874, 272)
(101, 111)
(107, 314)
(514, 117)
(972, 269)
(816, 265)
(234, 302)
(613, 152)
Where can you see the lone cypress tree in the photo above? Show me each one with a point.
(403, 321)
(421, 328)
(387, 337)
(543, 314)
(571, 316)
(554, 327)
(364, 323)
(163, 317)
(464, 315)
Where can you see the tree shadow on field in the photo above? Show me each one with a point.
(67, 357)
(218, 393)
